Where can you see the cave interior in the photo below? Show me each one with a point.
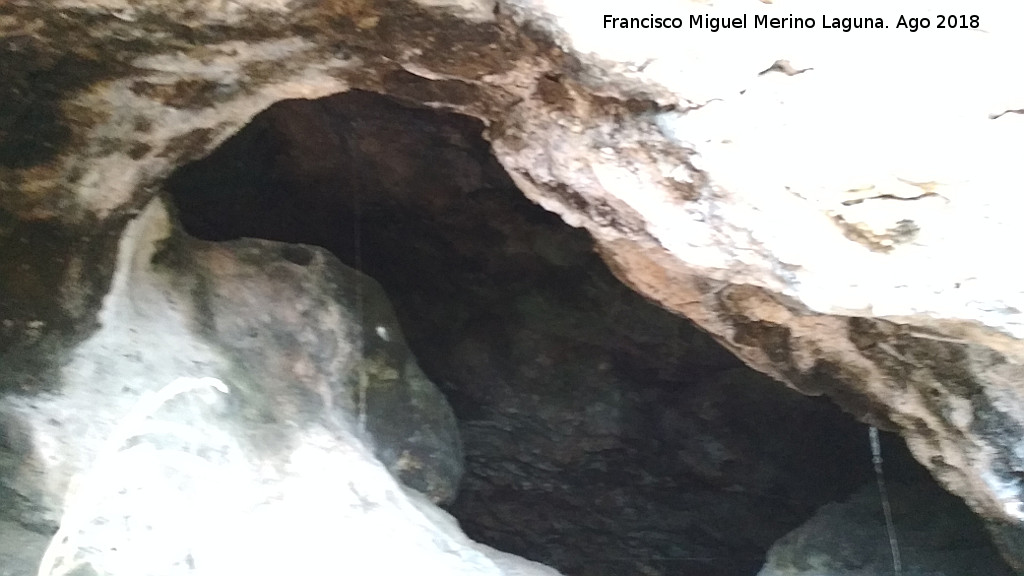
(602, 434)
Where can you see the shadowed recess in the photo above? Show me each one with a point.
(603, 435)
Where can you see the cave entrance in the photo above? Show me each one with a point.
(602, 434)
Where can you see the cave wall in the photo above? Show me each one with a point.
(842, 225)
(884, 297)
(245, 406)
(603, 434)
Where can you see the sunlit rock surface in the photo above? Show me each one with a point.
(834, 227)
(149, 465)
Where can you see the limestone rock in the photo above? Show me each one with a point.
(936, 536)
(657, 449)
(20, 549)
(693, 171)
(831, 205)
(165, 474)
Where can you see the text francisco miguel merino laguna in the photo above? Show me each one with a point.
(716, 23)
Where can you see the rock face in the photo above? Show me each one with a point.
(935, 536)
(172, 478)
(659, 451)
(827, 208)
(696, 170)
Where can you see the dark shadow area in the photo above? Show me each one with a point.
(603, 435)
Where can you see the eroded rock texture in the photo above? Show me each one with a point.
(842, 229)
(603, 435)
(936, 537)
(883, 296)
(149, 465)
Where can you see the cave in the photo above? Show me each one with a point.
(602, 434)
(635, 301)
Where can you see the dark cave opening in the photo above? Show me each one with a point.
(602, 434)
